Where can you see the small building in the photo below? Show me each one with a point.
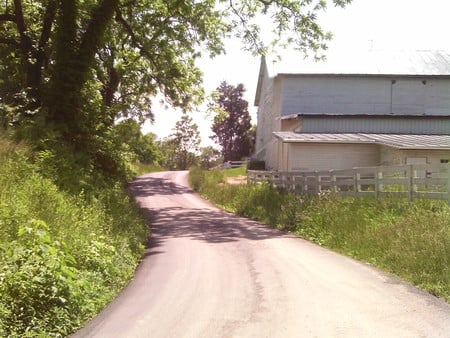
(369, 109)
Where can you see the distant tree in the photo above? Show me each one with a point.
(168, 149)
(149, 152)
(186, 141)
(209, 157)
(252, 137)
(129, 134)
(231, 126)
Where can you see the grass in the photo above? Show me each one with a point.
(233, 172)
(408, 239)
(63, 256)
(142, 168)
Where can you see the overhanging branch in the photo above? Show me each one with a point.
(7, 17)
(10, 42)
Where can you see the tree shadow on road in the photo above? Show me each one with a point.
(152, 186)
(210, 225)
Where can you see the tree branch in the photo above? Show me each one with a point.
(19, 18)
(49, 18)
(95, 30)
(7, 17)
(10, 42)
(129, 30)
(25, 41)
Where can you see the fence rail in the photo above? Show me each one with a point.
(231, 164)
(411, 181)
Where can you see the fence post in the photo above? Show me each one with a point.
(318, 179)
(356, 186)
(448, 183)
(413, 176)
(333, 181)
(380, 178)
(409, 173)
(292, 175)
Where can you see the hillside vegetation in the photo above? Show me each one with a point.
(63, 254)
(408, 239)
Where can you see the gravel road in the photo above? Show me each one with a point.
(208, 273)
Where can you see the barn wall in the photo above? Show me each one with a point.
(392, 156)
(282, 156)
(378, 125)
(350, 95)
(265, 118)
(437, 97)
(333, 95)
(321, 156)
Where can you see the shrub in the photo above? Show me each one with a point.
(196, 178)
(63, 254)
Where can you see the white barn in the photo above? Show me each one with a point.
(375, 109)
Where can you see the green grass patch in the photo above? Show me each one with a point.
(233, 172)
(143, 168)
(63, 256)
(408, 239)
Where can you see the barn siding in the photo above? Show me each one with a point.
(264, 132)
(408, 97)
(378, 125)
(437, 97)
(392, 156)
(332, 95)
(282, 156)
(265, 147)
(314, 156)
(350, 95)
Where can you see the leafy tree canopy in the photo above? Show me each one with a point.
(143, 146)
(186, 138)
(209, 157)
(232, 124)
(70, 68)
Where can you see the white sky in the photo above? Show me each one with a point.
(363, 25)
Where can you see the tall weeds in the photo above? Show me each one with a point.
(409, 239)
(63, 256)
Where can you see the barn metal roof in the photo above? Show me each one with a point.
(399, 141)
(407, 63)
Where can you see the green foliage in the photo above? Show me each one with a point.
(129, 135)
(70, 69)
(180, 149)
(63, 256)
(196, 178)
(409, 239)
(209, 157)
(142, 168)
(38, 283)
(233, 172)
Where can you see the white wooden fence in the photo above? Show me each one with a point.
(231, 164)
(411, 181)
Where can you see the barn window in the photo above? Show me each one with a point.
(445, 160)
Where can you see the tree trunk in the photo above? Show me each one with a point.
(73, 60)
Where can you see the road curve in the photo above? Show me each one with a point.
(208, 273)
